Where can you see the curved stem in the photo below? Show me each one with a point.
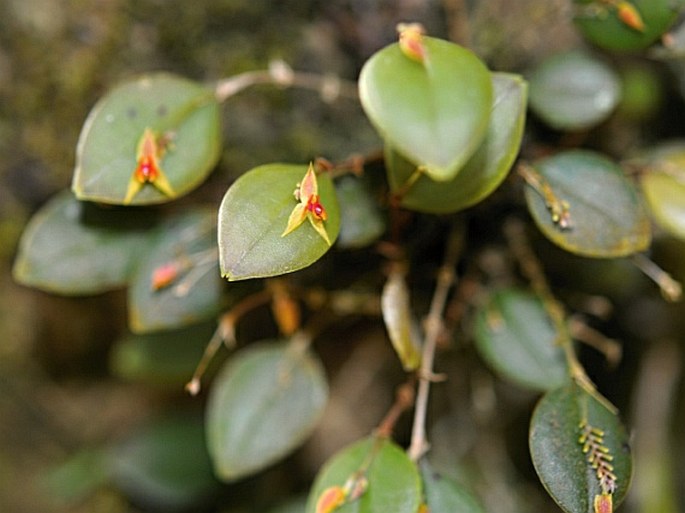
(514, 230)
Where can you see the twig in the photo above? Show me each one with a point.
(446, 277)
(671, 289)
(225, 333)
(330, 87)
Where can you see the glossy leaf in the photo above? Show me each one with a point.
(663, 186)
(361, 221)
(606, 216)
(446, 496)
(186, 240)
(436, 113)
(71, 247)
(393, 479)
(601, 22)
(263, 404)
(557, 450)
(253, 215)
(483, 172)
(167, 357)
(516, 337)
(399, 321)
(164, 464)
(182, 113)
(574, 91)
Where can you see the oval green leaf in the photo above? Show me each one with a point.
(516, 337)
(254, 214)
(435, 114)
(186, 241)
(361, 220)
(557, 452)
(75, 248)
(163, 358)
(394, 484)
(182, 111)
(483, 172)
(164, 465)
(663, 186)
(446, 496)
(264, 403)
(600, 23)
(606, 216)
(574, 91)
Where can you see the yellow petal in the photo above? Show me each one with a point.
(319, 227)
(296, 218)
(161, 182)
(134, 187)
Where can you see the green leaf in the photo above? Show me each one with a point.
(574, 91)
(516, 337)
(187, 241)
(446, 496)
(600, 24)
(167, 357)
(483, 172)
(394, 483)
(399, 321)
(183, 111)
(557, 452)
(663, 186)
(74, 248)
(607, 219)
(435, 114)
(164, 464)
(253, 215)
(361, 221)
(264, 403)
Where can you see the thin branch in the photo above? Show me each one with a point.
(225, 333)
(330, 87)
(434, 324)
(671, 289)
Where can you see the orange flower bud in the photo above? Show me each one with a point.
(411, 41)
(164, 275)
(630, 16)
(603, 503)
(330, 499)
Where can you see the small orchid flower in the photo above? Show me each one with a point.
(148, 169)
(309, 206)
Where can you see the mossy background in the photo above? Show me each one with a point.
(58, 57)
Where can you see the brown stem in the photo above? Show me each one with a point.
(434, 324)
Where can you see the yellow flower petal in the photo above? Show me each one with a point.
(296, 218)
(319, 227)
